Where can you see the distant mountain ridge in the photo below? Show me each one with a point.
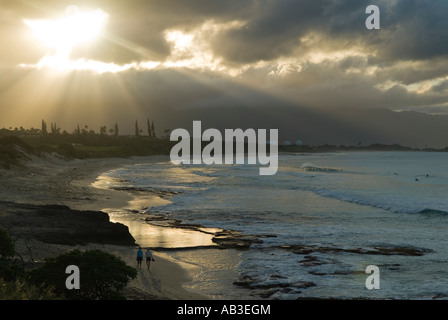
(313, 126)
(347, 126)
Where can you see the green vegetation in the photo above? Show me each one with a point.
(102, 276)
(13, 284)
(16, 145)
(22, 290)
(13, 150)
(9, 271)
(6, 245)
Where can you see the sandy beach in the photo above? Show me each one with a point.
(55, 181)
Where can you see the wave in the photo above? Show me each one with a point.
(397, 204)
(432, 211)
(312, 167)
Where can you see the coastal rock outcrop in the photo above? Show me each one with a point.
(62, 225)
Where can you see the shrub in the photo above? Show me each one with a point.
(6, 245)
(21, 290)
(9, 270)
(102, 275)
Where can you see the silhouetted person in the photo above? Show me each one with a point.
(149, 258)
(139, 257)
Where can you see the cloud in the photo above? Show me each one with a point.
(216, 53)
(268, 30)
(417, 30)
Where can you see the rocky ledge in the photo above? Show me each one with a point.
(376, 250)
(223, 239)
(266, 290)
(59, 224)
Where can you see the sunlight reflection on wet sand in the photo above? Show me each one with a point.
(147, 235)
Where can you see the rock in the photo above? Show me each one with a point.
(276, 276)
(311, 261)
(234, 239)
(266, 290)
(62, 225)
(244, 281)
(440, 296)
(376, 250)
(316, 273)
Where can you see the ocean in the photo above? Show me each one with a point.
(322, 219)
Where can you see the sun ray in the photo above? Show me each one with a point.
(61, 35)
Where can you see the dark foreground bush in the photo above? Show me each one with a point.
(22, 290)
(9, 270)
(102, 275)
(13, 284)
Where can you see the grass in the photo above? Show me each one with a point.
(14, 149)
(21, 290)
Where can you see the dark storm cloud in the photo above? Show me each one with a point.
(275, 28)
(418, 30)
(441, 87)
(410, 47)
(414, 71)
(411, 29)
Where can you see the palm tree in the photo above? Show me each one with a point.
(149, 128)
(77, 130)
(44, 127)
(153, 130)
(103, 130)
(116, 129)
(137, 130)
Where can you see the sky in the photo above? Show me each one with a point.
(95, 62)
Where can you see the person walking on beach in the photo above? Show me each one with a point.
(139, 257)
(149, 258)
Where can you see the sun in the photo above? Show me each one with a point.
(75, 27)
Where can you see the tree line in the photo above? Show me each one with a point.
(114, 131)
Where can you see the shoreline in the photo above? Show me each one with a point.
(184, 272)
(55, 181)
